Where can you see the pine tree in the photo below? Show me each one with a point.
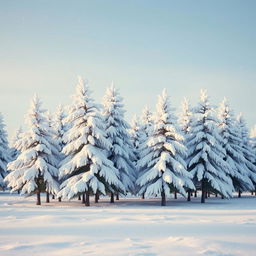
(121, 153)
(14, 152)
(34, 171)
(253, 140)
(247, 149)
(185, 122)
(4, 153)
(86, 167)
(166, 168)
(232, 143)
(146, 131)
(206, 154)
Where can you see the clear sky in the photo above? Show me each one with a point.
(143, 46)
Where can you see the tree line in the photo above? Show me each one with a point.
(89, 149)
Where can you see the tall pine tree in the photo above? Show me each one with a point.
(34, 171)
(166, 168)
(206, 154)
(86, 169)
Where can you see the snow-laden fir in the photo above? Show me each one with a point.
(35, 169)
(206, 154)
(121, 152)
(247, 149)
(14, 152)
(86, 168)
(5, 156)
(166, 167)
(232, 143)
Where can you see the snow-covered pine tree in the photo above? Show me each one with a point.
(86, 167)
(136, 136)
(146, 131)
(4, 153)
(247, 149)
(185, 120)
(166, 168)
(14, 152)
(59, 129)
(121, 153)
(34, 171)
(206, 154)
(231, 142)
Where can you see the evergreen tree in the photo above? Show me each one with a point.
(232, 143)
(166, 168)
(185, 122)
(34, 170)
(121, 153)
(253, 140)
(4, 153)
(206, 154)
(146, 128)
(86, 167)
(247, 149)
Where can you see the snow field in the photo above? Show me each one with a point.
(131, 226)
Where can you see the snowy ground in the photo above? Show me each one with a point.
(129, 227)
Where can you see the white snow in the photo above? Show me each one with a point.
(128, 227)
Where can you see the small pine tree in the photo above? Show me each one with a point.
(4, 153)
(34, 171)
(166, 168)
(247, 149)
(86, 169)
(206, 154)
(232, 143)
(121, 153)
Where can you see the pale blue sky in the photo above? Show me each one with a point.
(143, 46)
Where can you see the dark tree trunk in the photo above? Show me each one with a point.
(195, 194)
(203, 192)
(239, 193)
(47, 197)
(117, 196)
(216, 194)
(112, 200)
(205, 195)
(175, 195)
(38, 202)
(209, 194)
(96, 198)
(189, 196)
(83, 198)
(163, 201)
(53, 196)
(252, 193)
(59, 199)
(222, 197)
(191, 193)
(79, 197)
(87, 199)
(143, 196)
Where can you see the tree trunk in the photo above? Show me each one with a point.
(53, 196)
(112, 198)
(117, 196)
(222, 197)
(79, 197)
(195, 194)
(38, 202)
(83, 198)
(175, 195)
(209, 194)
(47, 197)
(239, 193)
(96, 198)
(87, 199)
(203, 193)
(189, 196)
(163, 201)
(143, 196)
(59, 199)
(252, 193)
(216, 194)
